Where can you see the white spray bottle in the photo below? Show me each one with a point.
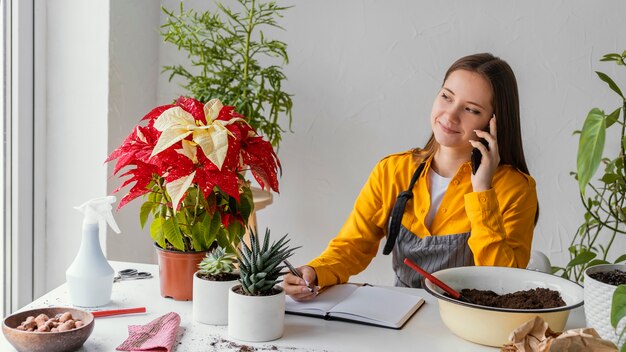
(90, 276)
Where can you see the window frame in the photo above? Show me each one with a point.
(23, 249)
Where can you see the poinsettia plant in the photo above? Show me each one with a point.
(188, 161)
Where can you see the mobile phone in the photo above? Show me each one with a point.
(477, 156)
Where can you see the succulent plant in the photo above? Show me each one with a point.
(261, 264)
(218, 262)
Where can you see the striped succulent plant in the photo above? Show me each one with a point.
(218, 262)
(261, 264)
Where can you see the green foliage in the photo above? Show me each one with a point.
(217, 262)
(261, 264)
(618, 310)
(231, 59)
(604, 198)
(197, 224)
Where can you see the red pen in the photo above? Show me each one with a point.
(108, 313)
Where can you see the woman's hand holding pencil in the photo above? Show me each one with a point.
(300, 283)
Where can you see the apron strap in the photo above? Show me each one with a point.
(398, 211)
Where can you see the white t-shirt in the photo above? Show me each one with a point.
(437, 187)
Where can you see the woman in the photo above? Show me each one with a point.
(450, 216)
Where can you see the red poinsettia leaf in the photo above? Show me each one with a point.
(156, 112)
(134, 193)
(226, 113)
(170, 161)
(124, 184)
(192, 106)
(226, 220)
(205, 182)
(175, 173)
(227, 182)
(124, 148)
(136, 147)
(143, 176)
(260, 156)
(124, 160)
(245, 129)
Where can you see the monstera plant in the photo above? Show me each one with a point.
(604, 197)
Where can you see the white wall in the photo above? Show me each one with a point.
(364, 74)
(134, 70)
(77, 94)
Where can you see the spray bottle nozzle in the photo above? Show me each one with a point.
(98, 211)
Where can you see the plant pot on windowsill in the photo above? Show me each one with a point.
(598, 300)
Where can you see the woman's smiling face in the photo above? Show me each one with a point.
(462, 106)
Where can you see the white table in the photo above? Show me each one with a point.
(423, 332)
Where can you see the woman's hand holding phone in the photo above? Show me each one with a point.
(489, 158)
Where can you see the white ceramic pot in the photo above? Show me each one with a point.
(210, 300)
(598, 298)
(256, 318)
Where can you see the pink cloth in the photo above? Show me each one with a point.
(157, 335)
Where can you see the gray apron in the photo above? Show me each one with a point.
(432, 253)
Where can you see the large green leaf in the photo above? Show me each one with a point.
(610, 82)
(590, 147)
(235, 231)
(197, 237)
(612, 117)
(222, 239)
(211, 224)
(173, 234)
(246, 204)
(618, 305)
(145, 210)
(582, 258)
(156, 231)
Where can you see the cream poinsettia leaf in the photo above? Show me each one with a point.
(214, 143)
(168, 138)
(175, 116)
(177, 188)
(189, 150)
(212, 109)
(175, 124)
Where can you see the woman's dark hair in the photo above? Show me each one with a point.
(505, 106)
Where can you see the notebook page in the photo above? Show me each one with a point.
(323, 303)
(378, 305)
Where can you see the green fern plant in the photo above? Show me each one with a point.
(261, 263)
(233, 60)
(218, 265)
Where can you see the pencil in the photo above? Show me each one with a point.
(108, 313)
(297, 273)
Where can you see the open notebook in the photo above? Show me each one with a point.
(361, 304)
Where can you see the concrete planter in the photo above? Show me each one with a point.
(210, 300)
(256, 318)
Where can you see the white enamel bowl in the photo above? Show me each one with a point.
(492, 326)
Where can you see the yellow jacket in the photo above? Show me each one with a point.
(501, 219)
